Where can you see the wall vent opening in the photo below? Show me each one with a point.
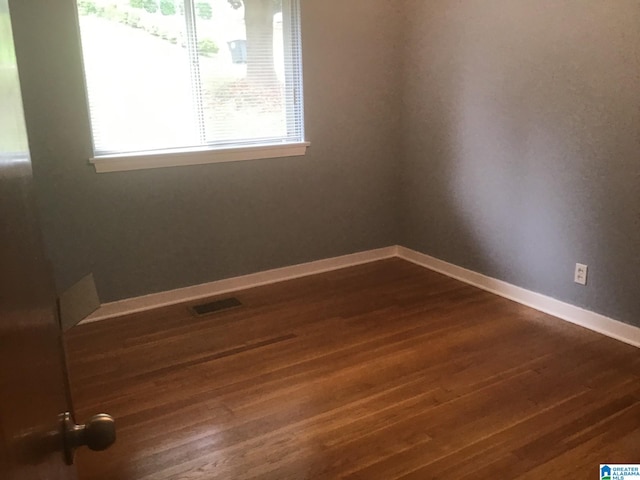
(215, 306)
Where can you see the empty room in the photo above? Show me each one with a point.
(319, 239)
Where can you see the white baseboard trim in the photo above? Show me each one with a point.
(565, 311)
(221, 287)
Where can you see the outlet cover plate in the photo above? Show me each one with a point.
(580, 275)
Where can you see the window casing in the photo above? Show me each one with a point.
(192, 83)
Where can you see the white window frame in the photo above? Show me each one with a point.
(225, 152)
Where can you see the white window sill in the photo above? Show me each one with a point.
(194, 156)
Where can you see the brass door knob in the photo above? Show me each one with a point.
(99, 433)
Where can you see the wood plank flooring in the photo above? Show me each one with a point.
(380, 371)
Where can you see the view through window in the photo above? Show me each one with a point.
(164, 74)
(13, 138)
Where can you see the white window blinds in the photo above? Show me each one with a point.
(179, 74)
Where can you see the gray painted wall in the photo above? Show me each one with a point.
(522, 143)
(154, 230)
(500, 135)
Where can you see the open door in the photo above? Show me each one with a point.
(37, 432)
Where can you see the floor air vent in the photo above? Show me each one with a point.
(215, 306)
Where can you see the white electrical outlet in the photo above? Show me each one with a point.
(581, 274)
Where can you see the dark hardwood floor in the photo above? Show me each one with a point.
(380, 371)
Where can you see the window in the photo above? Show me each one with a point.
(201, 80)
